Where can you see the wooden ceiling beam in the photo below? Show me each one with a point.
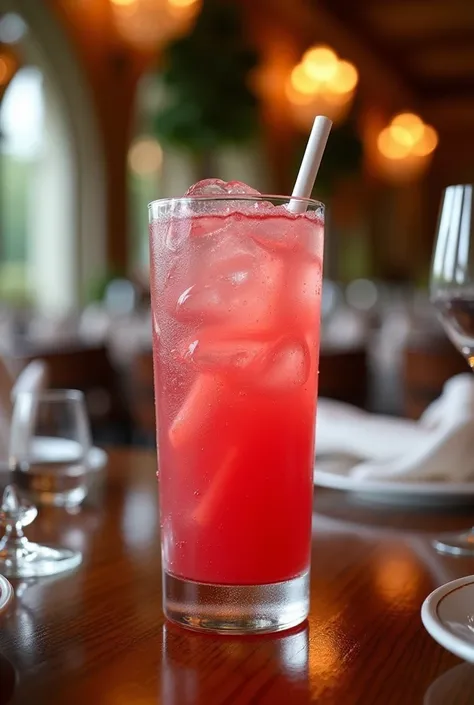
(453, 114)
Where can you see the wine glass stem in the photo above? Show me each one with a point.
(14, 544)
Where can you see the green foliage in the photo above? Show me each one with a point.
(15, 183)
(16, 177)
(206, 75)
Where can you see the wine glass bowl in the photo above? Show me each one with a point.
(48, 459)
(452, 275)
(452, 294)
(49, 447)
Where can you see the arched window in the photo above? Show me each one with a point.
(52, 185)
(21, 130)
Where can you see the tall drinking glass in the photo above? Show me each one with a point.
(235, 291)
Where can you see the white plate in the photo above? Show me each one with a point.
(448, 615)
(334, 473)
(6, 595)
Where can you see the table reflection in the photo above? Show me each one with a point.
(7, 680)
(454, 686)
(265, 669)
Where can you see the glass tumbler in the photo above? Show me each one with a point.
(236, 291)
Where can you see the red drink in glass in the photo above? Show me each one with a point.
(236, 287)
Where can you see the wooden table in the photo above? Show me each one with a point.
(97, 636)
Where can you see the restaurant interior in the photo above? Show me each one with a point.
(107, 105)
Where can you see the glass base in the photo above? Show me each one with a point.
(456, 544)
(236, 609)
(32, 560)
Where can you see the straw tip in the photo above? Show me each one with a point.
(323, 121)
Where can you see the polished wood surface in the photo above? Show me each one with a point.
(98, 637)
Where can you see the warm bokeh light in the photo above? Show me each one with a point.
(403, 136)
(428, 142)
(390, 147)
(410, 122)
(404, 147)
(148, 23)
(407, 135)
(182, 3)
(297, 97)
(320, 63)
(301, 81)
(345, 79)
(322, 83)
(145, 156)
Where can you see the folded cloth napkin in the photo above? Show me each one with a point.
(440, 446)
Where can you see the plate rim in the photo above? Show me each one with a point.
(435, 626)
(6, 594)
(335, 481)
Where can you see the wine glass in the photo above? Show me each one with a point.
(452, 293)
(48, 451)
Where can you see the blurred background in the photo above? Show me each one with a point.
(108, 104)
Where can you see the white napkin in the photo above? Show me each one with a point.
(440, 446)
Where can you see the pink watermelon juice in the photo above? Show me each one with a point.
(236, 302)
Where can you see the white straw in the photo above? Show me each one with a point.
(311, 162)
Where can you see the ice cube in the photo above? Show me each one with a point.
(196, 411)
(207, 187)
(204, 226)
(218, 489)
(238, 187)
(281, 230)
(288, 365)
(177, 232)
(237, 281)
(259, 361)
(217, 187)
(214, 348)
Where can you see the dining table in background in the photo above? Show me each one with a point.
(98, 635)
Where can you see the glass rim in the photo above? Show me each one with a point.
(54, 395)
(238, 197)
